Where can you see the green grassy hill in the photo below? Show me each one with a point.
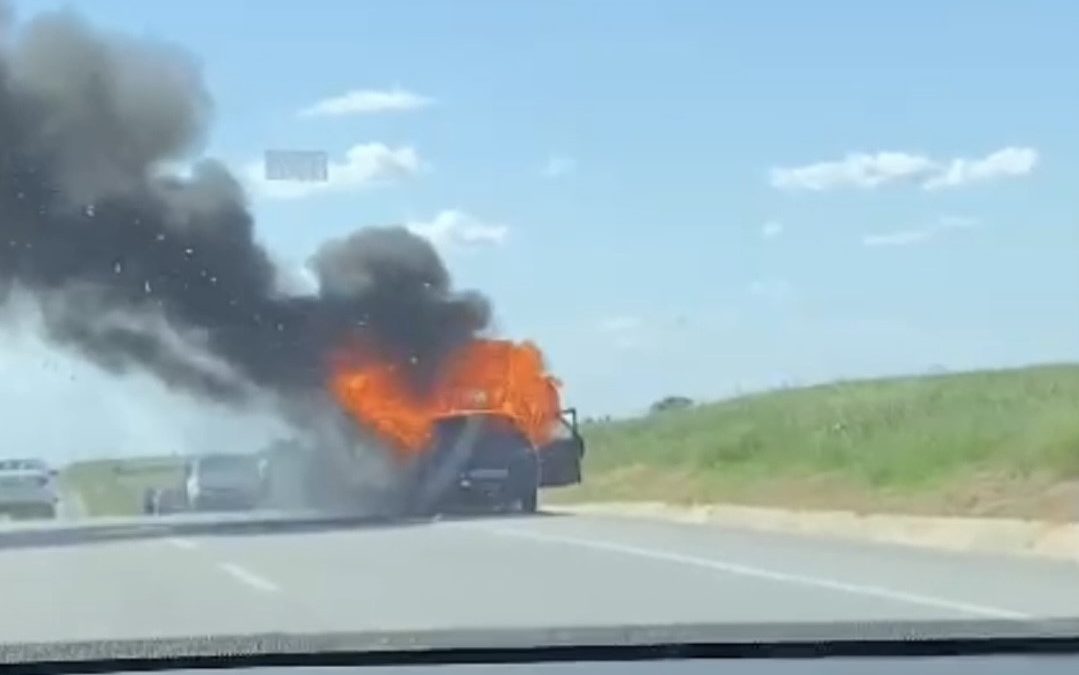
(993, 442)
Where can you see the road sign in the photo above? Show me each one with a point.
(307, 166)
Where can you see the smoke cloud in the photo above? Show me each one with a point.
(136, 269)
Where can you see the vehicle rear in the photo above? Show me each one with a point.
(224, 483)
(484, 461)
(477, 462)
(27, 489)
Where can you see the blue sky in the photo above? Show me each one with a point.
(686, 197)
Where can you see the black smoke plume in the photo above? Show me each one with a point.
(135, 268)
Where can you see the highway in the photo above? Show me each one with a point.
(495, 572)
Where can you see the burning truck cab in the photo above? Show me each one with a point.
(487, 433)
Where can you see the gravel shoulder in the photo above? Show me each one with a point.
(998, 535)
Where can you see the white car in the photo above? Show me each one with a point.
(28, 489)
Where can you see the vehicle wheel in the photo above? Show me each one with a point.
(149, 507)
(529, 489)
(530, 502)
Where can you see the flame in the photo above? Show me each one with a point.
(494, 377)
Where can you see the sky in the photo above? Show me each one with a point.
(671, 197)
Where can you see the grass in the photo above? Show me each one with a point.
(987, 443)
(115, 487)
(992, 442)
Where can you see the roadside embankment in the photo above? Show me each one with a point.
(990, 535)
(985, 460)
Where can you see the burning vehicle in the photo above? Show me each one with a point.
(487, 432)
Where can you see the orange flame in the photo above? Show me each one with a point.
(484, 377)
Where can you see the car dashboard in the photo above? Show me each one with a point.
(977, 665)
(977, 648)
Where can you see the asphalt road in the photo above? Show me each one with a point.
(507, 573)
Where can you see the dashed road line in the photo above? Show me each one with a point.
(249, 578)
(186, 544)
(237, 572)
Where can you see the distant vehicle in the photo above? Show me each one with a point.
(223, 482)
(159, 501)
(28, 489)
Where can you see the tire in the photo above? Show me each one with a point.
(530, 501)
(37, 512)
(149, 507)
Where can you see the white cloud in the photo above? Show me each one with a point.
(558, 166)
(871, 170)
(1008, 162)
(859, 170)
(366, 101)
(365, 165)
(454, 228)
(771, 229)
(294, 278)
(920, 235)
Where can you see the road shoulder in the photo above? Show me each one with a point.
(996, 535)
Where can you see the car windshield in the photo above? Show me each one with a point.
(321, 317)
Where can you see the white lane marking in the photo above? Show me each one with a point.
(185, 544)
(248, 577)
(771, 575)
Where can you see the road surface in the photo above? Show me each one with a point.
(506, 572)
